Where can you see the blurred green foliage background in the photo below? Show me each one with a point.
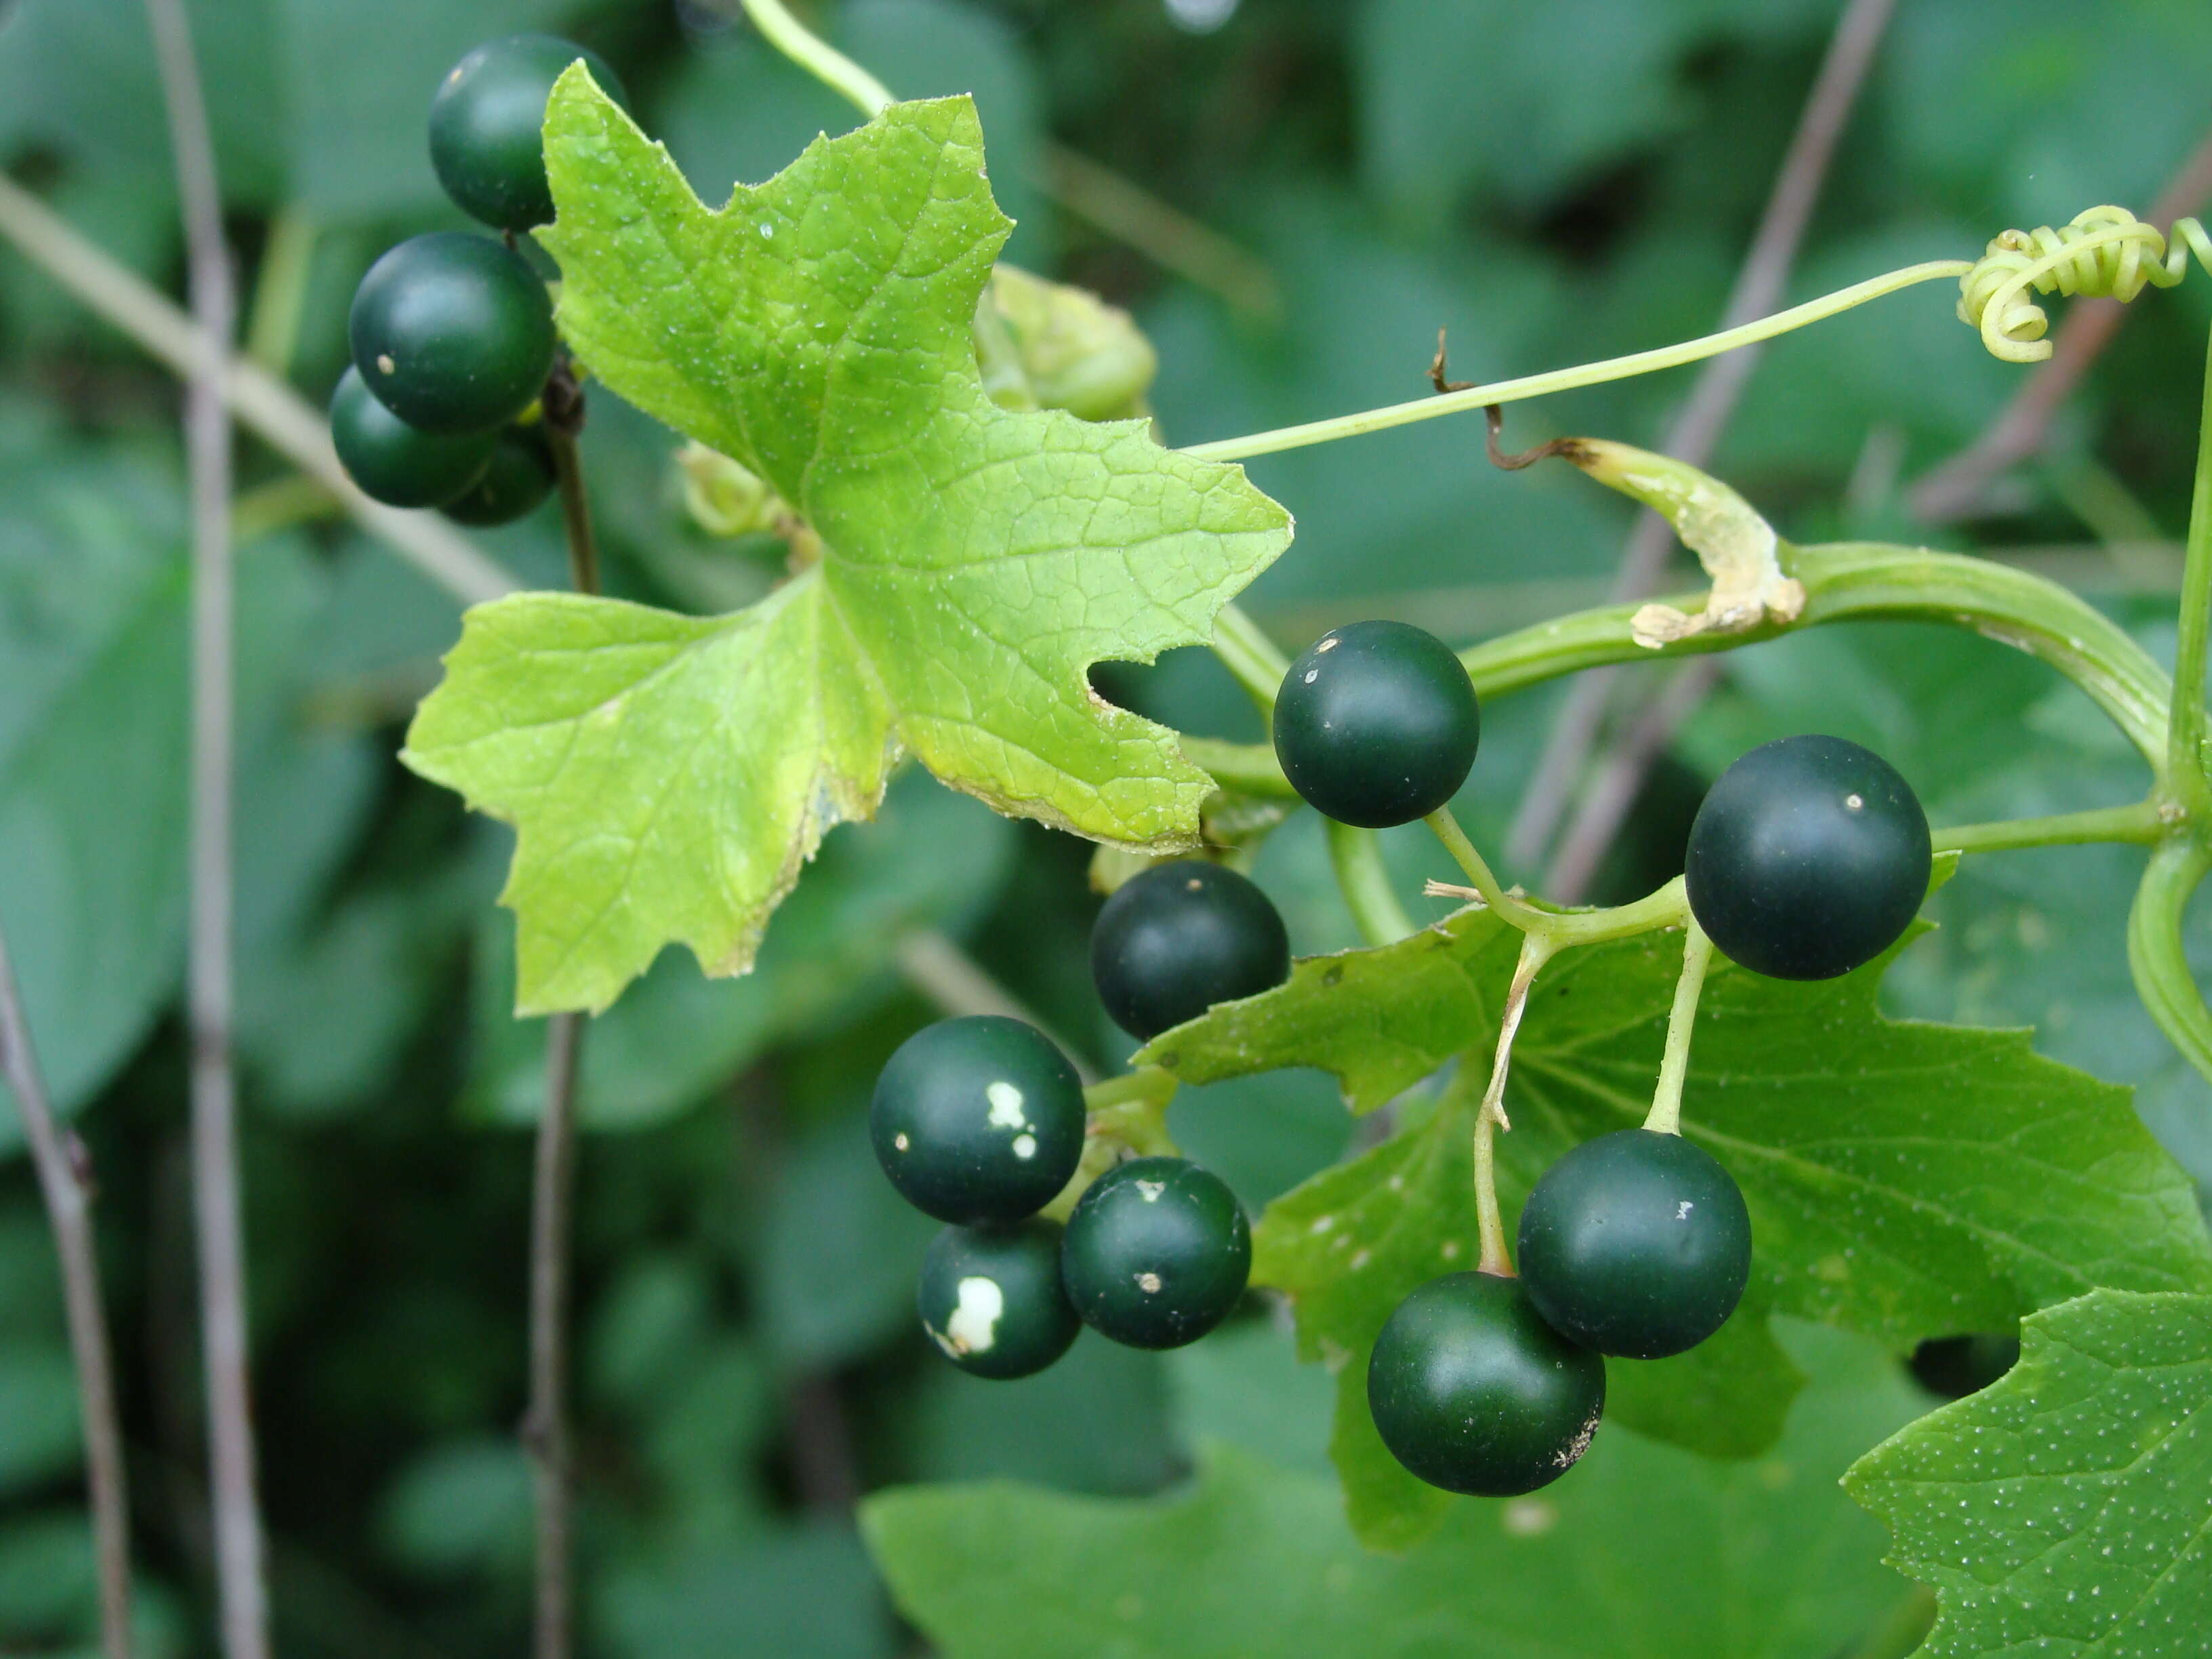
(1552, 183)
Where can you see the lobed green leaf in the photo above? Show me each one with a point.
(1905, 1180)
(1643, 1550)
(669, 776)
(2068, 1506)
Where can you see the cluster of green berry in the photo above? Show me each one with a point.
(980, 1122)
(452, 334)
(1808, 858)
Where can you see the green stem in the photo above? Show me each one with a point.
(1357, 856)
(1490, 1116)
(818, 58)
(280, 290)
(1147, 1083)
(1666, 1115)
(2142, 822)
(2184, 767)
(2155, 953)
(1566, 380)
(1250, 655)
(1480, 875)
(1249, 768)
(1664, 907)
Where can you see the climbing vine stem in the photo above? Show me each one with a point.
(2186, 721)
(1568, 380)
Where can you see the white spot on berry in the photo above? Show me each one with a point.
(1311, 675)
(1682, 1210)
(1151, 1190)
(1006, 1102)
(1148, 1283)
(1329, 644)
(974, 1325)
(385, 365)
(1854, 803)
(1024, 1146)
(768, 230)
(1192, 885)
(1570, 1454)
(900, 1141)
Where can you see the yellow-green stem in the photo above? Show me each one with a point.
(1566, 380)
(818, 58)
(1490, 1116)
(1666, 1116)
(1479, 873)
(1250, 655)
(2184, 764)
(2142, 822)
(1356, 857)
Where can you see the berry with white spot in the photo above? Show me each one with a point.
(1156, 1253)
(990, 1298)
(1472, 1392)
(1809, 858)
(1377, 724)
(1635, 1244)
(978, 1119)
(1180, 938)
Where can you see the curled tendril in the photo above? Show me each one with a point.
(2105, 252)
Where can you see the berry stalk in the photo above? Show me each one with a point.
(1490, 1116)
(1666, 1115)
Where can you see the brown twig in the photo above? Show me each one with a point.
(1440, 373)
(239, 1573)
(261, 401)
(1960, 487)
(1720, 384)
(545, 1427)
(545, 1431)
(65, 1179)
(1493, 420)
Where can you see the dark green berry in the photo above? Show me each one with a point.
(518, 476)
(1376, 724)
(1809, 858)
(488, 126)
(1472, 1391)
(1156, 1253)
(452, 332)
(978, 1119)
(1180, 938)
(991, 1299)
(1635, 1244)
(393, 462)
